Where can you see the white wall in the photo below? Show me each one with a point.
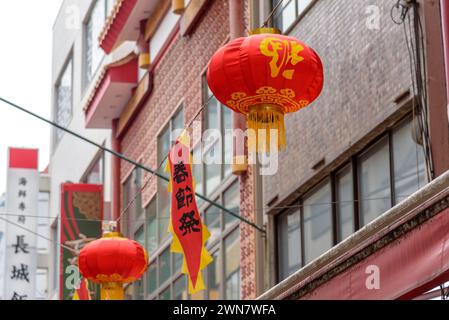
(71, 157)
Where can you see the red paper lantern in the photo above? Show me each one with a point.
(112, 261)
(265, 76)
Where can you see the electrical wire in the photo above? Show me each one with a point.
(271, 14)
(135, 163)
(147, 182)
(209, 213)
(39, 235)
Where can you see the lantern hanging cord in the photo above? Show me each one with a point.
(135, 163)
(147, 182)
(270, 16)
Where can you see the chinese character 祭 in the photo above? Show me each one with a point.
(188, 223)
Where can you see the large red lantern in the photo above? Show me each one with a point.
(112, 261)
(265, 76)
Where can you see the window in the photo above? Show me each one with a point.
(289, 240)
(374, 181)
(409, 163)
(223, 274)
(232, 265)
(381, 176)
(217, 149)
(64, 93)
(93, 53)
(345, 202)
(163, 278)
(287, 12)
(95, 174)
(165, 140)
(151, 218)
(132, 201)
(317, 222)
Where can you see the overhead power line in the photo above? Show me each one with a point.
(135, 163)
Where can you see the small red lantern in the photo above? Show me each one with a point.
(112, 261)
(265, 76)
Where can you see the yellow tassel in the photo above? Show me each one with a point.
(262, 119)
(112, 291)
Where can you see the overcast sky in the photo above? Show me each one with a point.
(25, 76)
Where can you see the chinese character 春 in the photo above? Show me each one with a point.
(184, 197)
(180, 173)
(20, 245)
(20, 273)
(188, 223)
(22, 182)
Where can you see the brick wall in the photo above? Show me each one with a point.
(365, 71)
(178, 79)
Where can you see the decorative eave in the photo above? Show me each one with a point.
(123, 24)
(112, 90)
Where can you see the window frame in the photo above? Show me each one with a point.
(353, 164)
(298, 14)
(68, 61)
(85, 81)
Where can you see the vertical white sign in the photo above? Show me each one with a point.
(2, 242)
(21, 208)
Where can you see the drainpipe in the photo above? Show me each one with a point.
(444, 5)
(239, 155)
(115, 144)
(237, 29)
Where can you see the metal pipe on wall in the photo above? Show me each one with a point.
(444, 5)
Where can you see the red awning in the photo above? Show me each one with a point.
(111, 93)
(123, 24)
(409, 266)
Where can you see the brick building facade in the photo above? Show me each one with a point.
(351, 156)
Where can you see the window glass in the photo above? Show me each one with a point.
(288, 11)
(63, 111)
(166, 294)
(289, 235)
(317, 222)
(95, 173)
(227, 140)
(94, 54)
(152, 227)
(232, 265)
(164, 266)
(374, 184)
(345, 203)
(152, 278)
(177, 262)
(232, 202)
(139, 236)
(212, 218)
(180, 289)
(409, 163)
(213, 277)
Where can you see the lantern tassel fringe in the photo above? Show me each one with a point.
(267, 124)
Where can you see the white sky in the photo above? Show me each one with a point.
(25, 76)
